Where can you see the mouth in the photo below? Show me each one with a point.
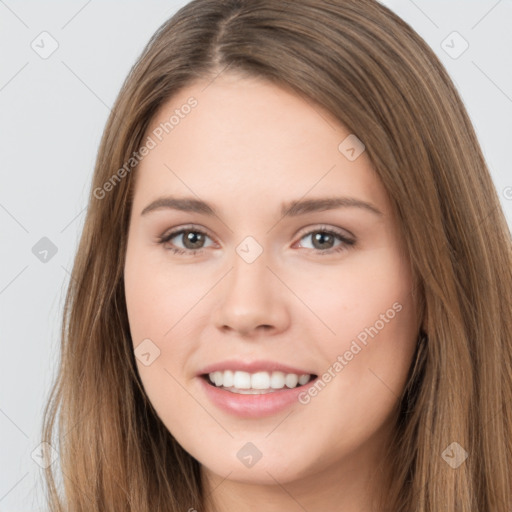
(258, 383)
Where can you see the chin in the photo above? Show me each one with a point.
(264, 469)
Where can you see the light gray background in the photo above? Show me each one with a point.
(53, 112)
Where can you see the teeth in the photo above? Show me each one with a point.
(291, 380)
(241, 380)
(257, 381)
(260, 380)
(227, 379)
(217, 378)
(277, 380)
(304, 379)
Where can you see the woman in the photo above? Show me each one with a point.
(216, 355)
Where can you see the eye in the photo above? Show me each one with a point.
(323, 239)
(191, 237)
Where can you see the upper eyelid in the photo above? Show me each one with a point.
(178, 231)
(323, 227)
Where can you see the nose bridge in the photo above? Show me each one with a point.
(250, 298)
(250, 276)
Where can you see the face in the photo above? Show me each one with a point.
(257, 284)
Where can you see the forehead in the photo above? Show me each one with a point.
(246, 137)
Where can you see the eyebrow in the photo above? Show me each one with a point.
(290, 209)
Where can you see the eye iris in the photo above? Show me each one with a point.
(321, 237)
(194, 237)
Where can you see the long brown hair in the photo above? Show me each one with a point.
(366, 66)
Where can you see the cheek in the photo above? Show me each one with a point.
(157, 306)
(158, 295)
(369, 309)
(163, 308)
(352, 297)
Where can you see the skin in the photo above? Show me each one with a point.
(247, 147)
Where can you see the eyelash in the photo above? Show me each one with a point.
(346, 242)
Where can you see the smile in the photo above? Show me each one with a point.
(254, 395)
(258, 382)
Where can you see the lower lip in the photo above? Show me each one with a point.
(254, 406)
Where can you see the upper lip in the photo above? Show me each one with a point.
(252, 367)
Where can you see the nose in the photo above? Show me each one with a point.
(252, 299)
